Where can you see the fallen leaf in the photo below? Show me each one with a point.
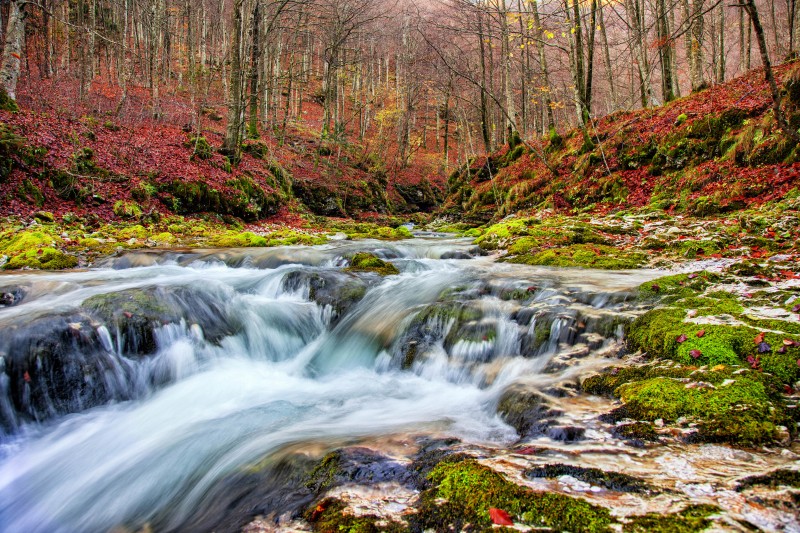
(696, 353)
(788, 342)
(796, 309)
(655, 287)
(759, 338)
(692, 275)
(783, 349)
(764, 347)
(527, 450)
(27, 377)
(701, 333)
(681, 338)
(500, 517)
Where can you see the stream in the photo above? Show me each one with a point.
(150, 389)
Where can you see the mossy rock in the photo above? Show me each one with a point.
(583, 256)
(367, 262)
(242, 197)
(199, 147)
(694, 518)
(525, 410)
(28, 192)
(34, 249)
(127, 210)
(615, 481)
(462, 493)
(777, 478)
(233, 239)
(12, 148)
(331, 516)
(742, 412)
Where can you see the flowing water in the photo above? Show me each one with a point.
(138, 391)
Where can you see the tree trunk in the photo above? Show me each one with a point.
(664, 51)
(484, 99)
(720, 70)
(608, 65)
(548, 103)
(230, 145)
(590, 59)
(12, 51)
(796, 27)
(252, 128)
(696, 50)
(640, 50)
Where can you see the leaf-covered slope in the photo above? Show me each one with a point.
(714, 151)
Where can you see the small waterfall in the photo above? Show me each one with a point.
(130, 392)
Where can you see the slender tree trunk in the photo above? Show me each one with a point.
(510, 120)
(664, 51)
(230, 144)
(696, 51)
(590, 58)
(12, 51)
(796, 26)
(484, 99)
(640, 52)
(607, 61)
(547, 101)
(720, 70)
(252, 128)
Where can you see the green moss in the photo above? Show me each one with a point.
(741, 412)
(679, 285)
(7, 103)
(692, 519)
(330, 516)
(200, 147)
(610, 480)
(12, 146)
(233, 239)
(125, 209)
(583, 256)
(681, 119)
(28, 192)
(132, 232)
(164, 238)
(776, 478)
(44, 259)
(368, 230)
(463, 492)
(367, 262)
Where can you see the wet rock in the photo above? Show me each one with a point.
(636, 433)
(566, 433)
(527, 411)
(56, 365)
(11, 296)
(360, 466)
(340, 290)
(609, 480)
(134, 315)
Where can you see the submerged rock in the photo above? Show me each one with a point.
(527, 411)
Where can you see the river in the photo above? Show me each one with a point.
(136, 392)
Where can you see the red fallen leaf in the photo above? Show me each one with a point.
(783, 349)
(787, 389)
(500, 517)
(692, 275)
(755, 361)
(681, 338)
(759, 338)
(695, 353)
(655, 287)
(788, 342)
(16, 56)
(796, 309)
(317, 512)
(127, 314)
(701, 333)
(531, 289)
(27, 377)
(716, 256)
